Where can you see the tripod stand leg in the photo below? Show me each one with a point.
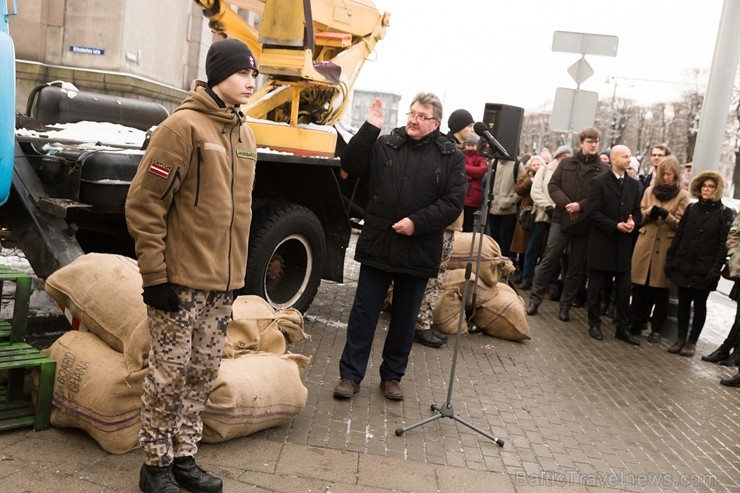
(401, 431)
(498, 441)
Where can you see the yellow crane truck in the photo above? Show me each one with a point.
(67, 199)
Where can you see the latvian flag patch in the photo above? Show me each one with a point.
(159, 169)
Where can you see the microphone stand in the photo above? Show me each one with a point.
(447, 410)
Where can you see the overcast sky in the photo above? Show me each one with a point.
(474, 52)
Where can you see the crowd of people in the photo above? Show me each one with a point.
(624, 240)
(582, 228)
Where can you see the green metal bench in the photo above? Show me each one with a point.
(17, 357)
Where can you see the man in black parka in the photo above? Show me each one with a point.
(416, 180)
(613, 207)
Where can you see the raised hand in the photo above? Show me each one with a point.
(375, 115)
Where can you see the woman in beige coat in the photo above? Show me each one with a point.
(662, 207)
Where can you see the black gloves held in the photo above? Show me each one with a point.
(549, 210)
(657, 212)
(161, 297)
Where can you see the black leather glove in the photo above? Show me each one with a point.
(662, 212)
(654, 213)
(549, 210)
(161, 297)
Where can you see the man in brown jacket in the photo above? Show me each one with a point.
(568, 188)
(189, 212)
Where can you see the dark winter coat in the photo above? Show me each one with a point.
(608, 204)
(698, 250)
(570, 181)
(423, 180)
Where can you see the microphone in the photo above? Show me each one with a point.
(482, 130)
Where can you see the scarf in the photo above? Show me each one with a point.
(665, 192)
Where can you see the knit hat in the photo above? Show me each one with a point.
(226, 57)
(562, 150)
(458, 120)
(472, 140)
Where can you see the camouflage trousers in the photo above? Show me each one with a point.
(183, 364)
(425, 319)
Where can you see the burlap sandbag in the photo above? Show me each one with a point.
(254, 392)
(257, 326)
(503, 316)
(95, 392)
(446, 312)
(492, 265)
(455, 279)
(104, 292)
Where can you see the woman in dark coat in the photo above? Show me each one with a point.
(696, 256)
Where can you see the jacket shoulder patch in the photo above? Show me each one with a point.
(246, 154)
(159, 169)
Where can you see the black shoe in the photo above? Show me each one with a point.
(426, 338)
(474, 329)
(525, 285)
(732, 360)
(190, 476)
(654, 337)
(625, 335)
(154, 479)
(438, 334)
(732, 381)
(717, 355)
(595, 332)
(532, 308)
(564, 314)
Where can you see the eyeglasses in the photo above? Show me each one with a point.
(657, 155)
(708, 185)
(418, 116)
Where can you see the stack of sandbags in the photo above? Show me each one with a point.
(99, 374)
(99, 377)
(490, 302)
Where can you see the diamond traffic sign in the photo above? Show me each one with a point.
(580, 71)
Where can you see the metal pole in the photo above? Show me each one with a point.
(716, 105)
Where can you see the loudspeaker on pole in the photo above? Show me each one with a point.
(505, 124)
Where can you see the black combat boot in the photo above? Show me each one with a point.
(194, 479)
(154, 479)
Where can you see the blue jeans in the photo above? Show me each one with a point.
(372, 287)
(533, 250)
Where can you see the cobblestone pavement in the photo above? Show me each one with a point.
(576, 414)
(570, 408)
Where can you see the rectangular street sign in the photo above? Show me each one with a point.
(573, 110)
(586, 43)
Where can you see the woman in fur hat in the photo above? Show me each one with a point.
(696, 256)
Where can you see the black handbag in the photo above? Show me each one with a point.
(526, 218)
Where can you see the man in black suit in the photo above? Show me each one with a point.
(613, 207)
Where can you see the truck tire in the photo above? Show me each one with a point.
(286, 255)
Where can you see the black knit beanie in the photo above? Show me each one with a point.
(458, 120)
(226, 57)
